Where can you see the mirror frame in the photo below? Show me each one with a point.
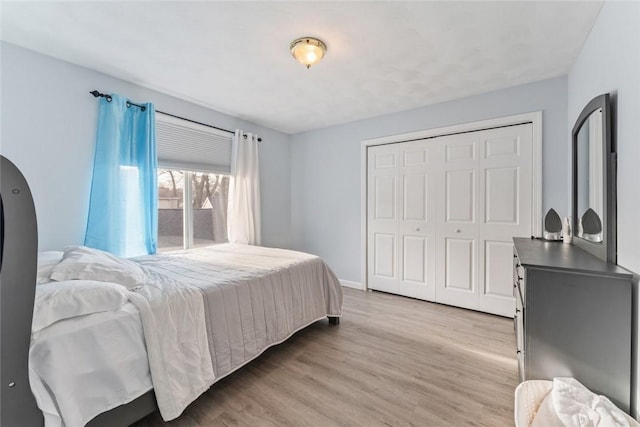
(605, 250)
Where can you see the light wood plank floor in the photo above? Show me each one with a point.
(392, 361)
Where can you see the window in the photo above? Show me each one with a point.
(195, 217)
(193, 183)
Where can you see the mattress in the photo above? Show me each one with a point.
(83, 366)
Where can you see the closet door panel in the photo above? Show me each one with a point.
(417, 220)
(382, 218)
(505, 209)
(384, 245)
(414, 266)
(502, 195)
(498, 269)
(459, 196)
(459, 263)
(457, 234)
(414, 197)
(384, 188)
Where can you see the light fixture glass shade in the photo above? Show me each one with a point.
(308, 50)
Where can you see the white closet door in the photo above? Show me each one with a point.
(417, 225)
(458, 220)
(505, 208)
(484, 202)
(382, 218)
(442, 212)
(401, 219)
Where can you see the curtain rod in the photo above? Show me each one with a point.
(97, 94)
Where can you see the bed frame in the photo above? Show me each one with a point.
(144, 405)
(18, 269)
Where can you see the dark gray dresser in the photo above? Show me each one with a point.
(573, 318)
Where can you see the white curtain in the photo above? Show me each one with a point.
(243, 222)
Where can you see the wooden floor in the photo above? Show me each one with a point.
(392, 361)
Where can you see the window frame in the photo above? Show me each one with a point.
(187, 211)
(187, 206)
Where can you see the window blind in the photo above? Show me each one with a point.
(183, 145)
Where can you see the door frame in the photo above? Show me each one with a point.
(535, 118)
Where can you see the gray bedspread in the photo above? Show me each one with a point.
(254, 297)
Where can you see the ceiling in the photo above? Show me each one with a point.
(382, 57)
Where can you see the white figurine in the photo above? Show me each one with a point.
(566, 231)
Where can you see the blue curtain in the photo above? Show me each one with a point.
(123, 207)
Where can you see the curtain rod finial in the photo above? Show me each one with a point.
(97, 94)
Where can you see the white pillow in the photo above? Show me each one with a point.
(46, 261)
(80, 262)
(63, 300)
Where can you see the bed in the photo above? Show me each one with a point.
(252, 298)
(122, 340)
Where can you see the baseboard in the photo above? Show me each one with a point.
(350, 284)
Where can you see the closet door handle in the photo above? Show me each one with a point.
(458, 230)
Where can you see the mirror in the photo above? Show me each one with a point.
(594, 181)
(590, 178)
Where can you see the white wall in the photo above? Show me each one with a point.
(610, 62)
(48, 122)
(325, 164)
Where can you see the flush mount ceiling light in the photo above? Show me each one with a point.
(308, 50)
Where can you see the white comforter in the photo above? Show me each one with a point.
(173, 320)
(205, 312)
(82, 366)
(175, 337)
(255, 297)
